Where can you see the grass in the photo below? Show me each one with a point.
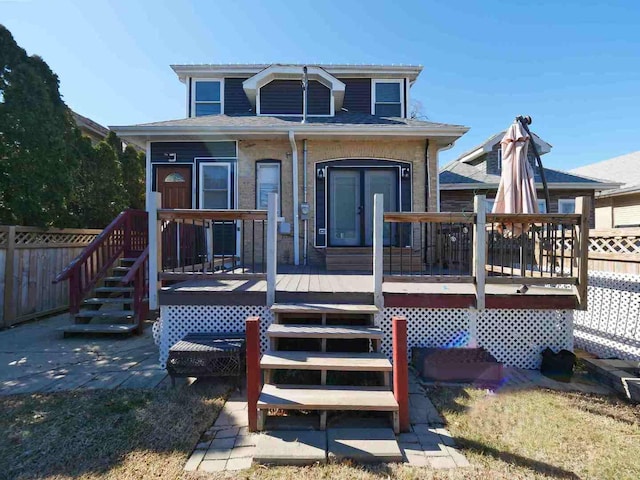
(138, 435)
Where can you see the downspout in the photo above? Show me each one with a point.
(427, 184)
(304, 197)
(296, 214)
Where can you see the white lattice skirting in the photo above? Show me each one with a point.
(514, 337)
(611, 325)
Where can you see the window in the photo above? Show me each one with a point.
(207, 98)
(489, 203)
(174, 178)
(387, 98)
(215, 190)
(567, 205)
(500, 160)
(542, 206)
(267, 181)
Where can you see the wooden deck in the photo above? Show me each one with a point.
(312, 285)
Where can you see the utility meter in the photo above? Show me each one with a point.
(304, 211)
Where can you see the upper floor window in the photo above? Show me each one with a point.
(207, 98)
(387, 98)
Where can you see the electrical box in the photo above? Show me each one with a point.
(284, 228)
(304, 211)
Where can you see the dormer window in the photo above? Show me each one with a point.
(387, 99)
(207, 99)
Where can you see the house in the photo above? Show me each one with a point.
(93, 130)
(478, 171)
(618, 207)
(278, 176)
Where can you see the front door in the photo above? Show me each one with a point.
(351, 194)
(174, 184)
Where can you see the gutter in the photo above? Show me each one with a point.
(296, 215)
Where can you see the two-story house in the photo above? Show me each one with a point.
(479, 169)
(245, 134)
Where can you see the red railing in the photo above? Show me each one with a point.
(139, 275)
(125, 236)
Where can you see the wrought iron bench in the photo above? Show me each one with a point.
(208, 355)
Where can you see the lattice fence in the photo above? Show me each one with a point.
(178, 320)
(617, 241)
(515, 337)
(33, 237)
(611, 325)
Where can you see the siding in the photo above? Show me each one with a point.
(187, 151)
(235, 100)
(284, 97)
(357, 95)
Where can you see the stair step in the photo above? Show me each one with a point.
(118, 300)
(104, 314)
(122, 269)
(323, 331)
(114, 289)
(353, 362)
(99, 328)
(299, 397)
(113, 279)
(323, 308)
(130, 261)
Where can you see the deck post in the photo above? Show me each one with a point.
(155, 253)
(583, 207)
(480, 249)
(272, 247)
(253, 370)
(378, 251)
(401, 370)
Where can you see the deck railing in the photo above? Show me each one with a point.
(483, 248)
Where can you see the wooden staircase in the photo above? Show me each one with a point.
(111, 308)
(318, 355)
(360, 259)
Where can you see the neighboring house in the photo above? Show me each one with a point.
(89, 128)
(478, 171)
(244, 134)
(618, 207)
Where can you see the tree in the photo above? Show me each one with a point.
(36, 165)
(416, 111)
(133, 171)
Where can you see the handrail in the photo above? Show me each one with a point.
(136, 266)
(429, 217)
(89, 249)
(567, 218)
(186, 214)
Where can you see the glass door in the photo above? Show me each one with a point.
(215, 194)
(344, 208)
(382, 181)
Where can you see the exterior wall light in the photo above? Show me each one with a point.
(405, 172)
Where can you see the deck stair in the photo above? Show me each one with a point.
(334, 345)
(109, 309)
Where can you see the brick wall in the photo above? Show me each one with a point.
(250, 151)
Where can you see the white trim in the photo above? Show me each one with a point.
(189, 107)
(148, 170)
(552, 186)
(194, 82)
(201, 182)
(400, 83)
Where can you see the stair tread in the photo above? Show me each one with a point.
(365, 362)
(99, 328)
(322, 331)
(113, 279)
(298, 397)
(97, 300)
(114, 289)
(129, 259)
(121, 268)
(323, 308)
(104, 313)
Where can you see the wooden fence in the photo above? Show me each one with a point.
(30, 259)
(615, 250)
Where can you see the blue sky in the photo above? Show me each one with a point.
(573, 65)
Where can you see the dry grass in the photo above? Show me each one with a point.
(140, 435)
(123, 434)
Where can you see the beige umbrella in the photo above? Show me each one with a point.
(517, 189)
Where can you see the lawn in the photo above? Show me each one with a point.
(131, 434)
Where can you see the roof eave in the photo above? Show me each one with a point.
(552, 186)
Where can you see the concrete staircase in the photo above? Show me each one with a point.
(318, 355)
(110, 309)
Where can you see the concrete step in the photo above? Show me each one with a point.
(301, 397)
(104, 314)
(323, 331)
(109, 300)
(114, 289)
(324, 308)
(99, 328)
(352, 362)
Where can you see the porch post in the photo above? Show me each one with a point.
(401, 371)
(479, 262)
(252, 332)
(378, 251)
(272, 248)
(583, 207)
(154, 201)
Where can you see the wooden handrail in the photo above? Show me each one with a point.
(567, 218)
(429, 217)
(129, 277)
(186, 214)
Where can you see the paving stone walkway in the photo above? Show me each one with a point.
(35, 358)
(228, 445)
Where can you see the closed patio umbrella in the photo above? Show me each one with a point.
(517, 188)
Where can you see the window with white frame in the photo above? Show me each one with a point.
(215, 186)
(207, 98)
(267, 181)
(567, 205)
(489, 204)
(387, 98)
